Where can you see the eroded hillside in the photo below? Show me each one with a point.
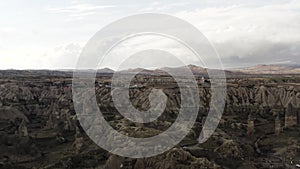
(39, 127)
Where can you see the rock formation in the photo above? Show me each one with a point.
(22, 130)
(290, 119)
(114, 162)
(78, 144)
(277, 125)
(37, 111)
(250, 125)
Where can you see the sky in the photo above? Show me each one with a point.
(51, 34)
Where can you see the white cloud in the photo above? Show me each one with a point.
(78, 10)
(132, 46)
(235, 22)
(250, 32)
(64, 56)
(242, 31)
(157, 6)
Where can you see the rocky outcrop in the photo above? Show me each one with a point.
(290, 117)
(250, 125)
(277, 125)
(265, 95)
(39, 113)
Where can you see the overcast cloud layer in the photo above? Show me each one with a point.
(39, 35)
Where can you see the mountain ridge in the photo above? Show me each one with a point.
(260, 69)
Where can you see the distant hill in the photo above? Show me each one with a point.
(269, 69)
(105, 70)
(34, 73)
(196, 70)
(257, 70)
(51, 73)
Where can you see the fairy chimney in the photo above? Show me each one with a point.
(290, 119)
(277, 125)
(22, 130)
(78, 143)
(250, 125)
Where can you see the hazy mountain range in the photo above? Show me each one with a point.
(270, 69)
(196, 70)
(253, 70)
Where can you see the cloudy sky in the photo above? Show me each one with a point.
(50, 34)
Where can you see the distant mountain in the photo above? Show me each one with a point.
(199, 71)
(270, 69)
(51, 73)
(293, 65)
(136, 70)
(35, 73)
(196, 70)
(164, 71)
(105, 70)
(257, 70)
